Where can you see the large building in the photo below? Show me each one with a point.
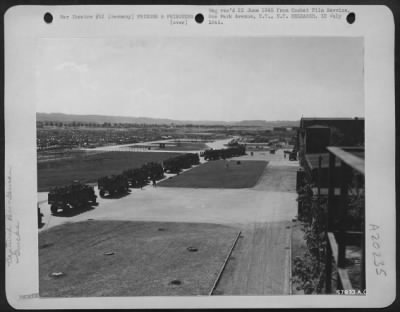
(315, 134)
(331, 192)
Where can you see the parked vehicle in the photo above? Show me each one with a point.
(154, 170)
(74, 196)
(214, 154)
(113, 185)
(184, 161)
(293, 156)
(137, 177)
(40, 217)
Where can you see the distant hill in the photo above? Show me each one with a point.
(269, 124)
(67, 118)
(260, 123)
(100, 118)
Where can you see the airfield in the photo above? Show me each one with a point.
(186, 240)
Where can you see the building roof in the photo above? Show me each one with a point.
(331, 122)
(332, 118)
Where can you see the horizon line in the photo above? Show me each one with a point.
(199, 120)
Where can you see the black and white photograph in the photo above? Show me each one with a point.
(180, 166)
(200, 166)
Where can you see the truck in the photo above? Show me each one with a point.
(154, 171)
(183, 161)
(113, 185)
(293, 155)
(137, 177)
(40, 217)
(73, 196)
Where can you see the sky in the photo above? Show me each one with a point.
(202, 78)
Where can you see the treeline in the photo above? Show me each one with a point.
(78, 124)
(215, 154)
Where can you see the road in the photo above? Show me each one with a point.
(260, 261)
(143, 146)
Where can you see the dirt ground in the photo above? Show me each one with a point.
(126, 258)
(260, 262)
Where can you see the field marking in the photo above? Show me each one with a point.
(224, 264)
(290, 261)
(262, 174)
(288, 264)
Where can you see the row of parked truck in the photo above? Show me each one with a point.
(78, 195)
(223, 153)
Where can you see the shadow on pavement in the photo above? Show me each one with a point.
(115, 196)
(72, 212)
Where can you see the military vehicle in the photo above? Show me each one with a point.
(293, 156)
(215, 154)
(40, 217)
(74, 196)
(184, 161)
(113, 185)
(137, 177)
(154, 170)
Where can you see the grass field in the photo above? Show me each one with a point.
(145, 257)
(91, 167)
(215, 174)
(62, 154)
